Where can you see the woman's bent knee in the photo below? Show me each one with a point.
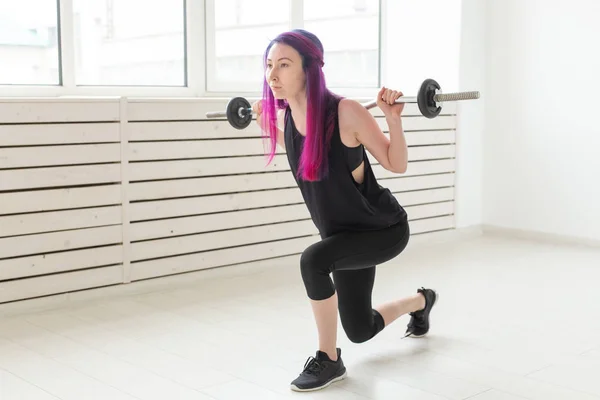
(359, 335)
(361, 329)
(315, 274)
(314, 258)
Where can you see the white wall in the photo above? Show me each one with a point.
(541, 163)
(471, 115)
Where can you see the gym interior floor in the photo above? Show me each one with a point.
(515, 321)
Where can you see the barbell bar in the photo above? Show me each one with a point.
(239, 110)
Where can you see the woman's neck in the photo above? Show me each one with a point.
(298, 107)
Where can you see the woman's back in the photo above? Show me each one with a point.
(337, 202)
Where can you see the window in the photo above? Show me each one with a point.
(191, 47)
(349, 31)
(129, 42)
(237, 41)
(29, 42)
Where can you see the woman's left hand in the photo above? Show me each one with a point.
(386, 102)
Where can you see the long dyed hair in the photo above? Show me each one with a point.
(321, 105)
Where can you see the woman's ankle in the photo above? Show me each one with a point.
(420, 302)
(331, 354)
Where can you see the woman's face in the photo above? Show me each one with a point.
(284, 72)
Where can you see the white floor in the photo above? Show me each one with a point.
(516, 320)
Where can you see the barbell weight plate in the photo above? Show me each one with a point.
(427, 104)
(233, 114)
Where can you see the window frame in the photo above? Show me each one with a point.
(199, 45)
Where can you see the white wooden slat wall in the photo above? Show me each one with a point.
(97, 192)
(60, 197)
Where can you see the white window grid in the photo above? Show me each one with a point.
(200, 47)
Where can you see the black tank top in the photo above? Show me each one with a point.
(338, 203)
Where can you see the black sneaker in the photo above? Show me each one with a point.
(419, 320)
(319, 372)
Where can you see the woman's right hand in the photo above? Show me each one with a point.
(257, 109)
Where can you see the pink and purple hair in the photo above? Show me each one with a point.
(320, 113)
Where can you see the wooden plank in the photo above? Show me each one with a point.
(210, 185)
(196, 149)
(143, 151)
(158, 109)
(247, 200)
(420, 123)
(125, 200)
(424, 138)
(59, 199)
(141, 171)
(23, 224)
(59, 262)
(424, 196)
(215, 240)
(416, 168)
(174, 109)
(36, 110)
(412, 109)
(59, 176)
(59, 241)
(60, 283)
(219, 221)
(27, 135)
(211, 204)
(429, 210)
(182, 130)
(430, 152)
(423, 153)
(216, 258)
(418, 182)
(37, 156)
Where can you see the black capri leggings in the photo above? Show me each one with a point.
(352, 258)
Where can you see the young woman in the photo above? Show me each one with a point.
(361, 223)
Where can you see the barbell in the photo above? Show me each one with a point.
(239, 110)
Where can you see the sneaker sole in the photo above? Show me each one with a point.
(437, 298)
(339, 378)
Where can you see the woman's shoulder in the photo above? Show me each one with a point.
(351, 112)
(351, 107)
